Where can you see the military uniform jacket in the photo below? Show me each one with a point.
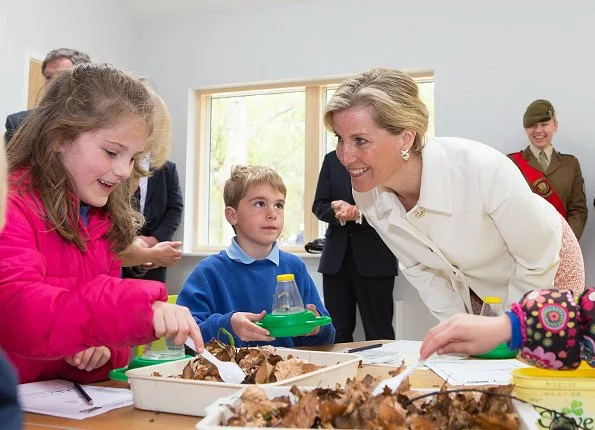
(565, 176)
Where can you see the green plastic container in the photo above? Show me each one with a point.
(120, 373)
(291, 325)
(499, 352)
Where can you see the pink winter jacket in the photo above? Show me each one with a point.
(56, 301)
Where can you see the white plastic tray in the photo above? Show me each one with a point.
(190, 397)
(218, 412)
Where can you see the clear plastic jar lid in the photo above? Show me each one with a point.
(287, 277)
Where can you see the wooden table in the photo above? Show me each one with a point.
(131, 418)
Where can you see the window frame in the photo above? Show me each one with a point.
(314, 146)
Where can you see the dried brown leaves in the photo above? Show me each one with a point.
(354, 407)
(262, 365)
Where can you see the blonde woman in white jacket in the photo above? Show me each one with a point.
(457, 214)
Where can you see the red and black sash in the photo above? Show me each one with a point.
(539, 182)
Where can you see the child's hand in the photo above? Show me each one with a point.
(244, 327)
(171, 320)
(466, 334)
(315, 330)
(90, 359)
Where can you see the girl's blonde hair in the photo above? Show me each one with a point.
(243, 177)
(87, 98)
(391, 95)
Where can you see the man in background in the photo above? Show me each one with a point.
(554, 176)
(55, 62)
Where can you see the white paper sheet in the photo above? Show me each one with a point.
(60, 399)
(393, 353)
(476, 372)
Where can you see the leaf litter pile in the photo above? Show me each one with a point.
(354, 407)
(262, 365)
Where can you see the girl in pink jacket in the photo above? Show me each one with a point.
(64, 311)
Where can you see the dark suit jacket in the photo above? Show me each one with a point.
(13, 122)
(564, 173)
(372, 257)
(163, 212)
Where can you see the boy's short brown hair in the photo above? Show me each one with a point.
(243, 177)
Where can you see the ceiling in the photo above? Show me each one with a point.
(160, 8)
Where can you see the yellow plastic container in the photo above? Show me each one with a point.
(569, 391)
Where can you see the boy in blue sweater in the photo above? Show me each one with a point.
(234, 289)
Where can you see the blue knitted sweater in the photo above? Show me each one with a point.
(220, 286)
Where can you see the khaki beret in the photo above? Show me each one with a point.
(538, 111)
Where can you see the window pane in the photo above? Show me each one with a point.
(426, 94)
(260, 129)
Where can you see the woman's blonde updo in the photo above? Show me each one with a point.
(391, 95)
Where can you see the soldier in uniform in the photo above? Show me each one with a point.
(554, 176)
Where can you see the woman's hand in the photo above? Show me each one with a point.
(243, 326)
(344, 211)
(466, 334)
(164, 254)
(136, 250)
(90, 359)
(138, 241)
(175, 321)
(315, 330)
(150, 241)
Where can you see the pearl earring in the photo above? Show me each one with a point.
(405, 154)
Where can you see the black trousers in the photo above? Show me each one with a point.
(373, 296)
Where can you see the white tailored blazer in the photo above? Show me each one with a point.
(477, 225)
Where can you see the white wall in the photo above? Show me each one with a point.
(491, 59)
(32, 28)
